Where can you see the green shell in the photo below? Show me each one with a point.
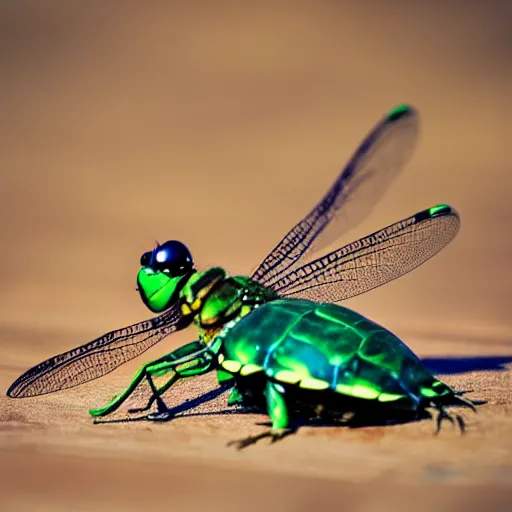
(327, 347)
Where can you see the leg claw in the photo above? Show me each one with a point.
(160, 416)
(443, 415)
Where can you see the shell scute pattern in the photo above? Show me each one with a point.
(252, 337)
(300, 358)
(386, 351)
(328, 347)
(330, 335)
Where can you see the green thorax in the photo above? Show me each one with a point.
(213, 298)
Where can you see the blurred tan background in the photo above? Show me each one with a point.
(221, 124)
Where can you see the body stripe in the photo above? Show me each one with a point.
(335, 373)
(274, 345)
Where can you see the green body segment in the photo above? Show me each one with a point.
(157, 289)
(186, 361)
(272, 349)
(288, 355)
(211, 299)
(328, 348)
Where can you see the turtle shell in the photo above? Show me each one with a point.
(327, 347)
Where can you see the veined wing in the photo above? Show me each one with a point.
(373, 260)
(379, 159)
(96, 358)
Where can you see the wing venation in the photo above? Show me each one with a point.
(95, 358)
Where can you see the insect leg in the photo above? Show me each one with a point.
(276, 405)
(466, 402)
(442, 415)
(278, 412)
(174, 357)
(454, 420)
(235, 398)
(156, 393)
(190, 368)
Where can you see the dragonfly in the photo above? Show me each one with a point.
(277, 338)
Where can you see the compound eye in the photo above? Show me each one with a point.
(173, 258)
(145, 259)
(163, 261)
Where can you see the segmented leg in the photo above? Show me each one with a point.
(278, 412)
(156, 392)
(442, 415)
(235, 398)
(466, 402)
(462, 392)
(193, 368)
(185, 361)
(202, 364)
(461, 423)
(457, 418)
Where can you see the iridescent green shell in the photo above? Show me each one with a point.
(327, 347)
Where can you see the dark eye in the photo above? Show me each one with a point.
(172, 257)
(145, 259)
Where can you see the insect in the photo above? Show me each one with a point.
(277, 339)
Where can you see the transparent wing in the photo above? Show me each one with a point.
(96, 358)
(379, 159)
(373, 260)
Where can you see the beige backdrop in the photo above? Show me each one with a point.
(221, 124)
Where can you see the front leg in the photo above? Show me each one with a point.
(184, 361)
(202, 363)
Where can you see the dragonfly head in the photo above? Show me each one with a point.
(164, 272)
